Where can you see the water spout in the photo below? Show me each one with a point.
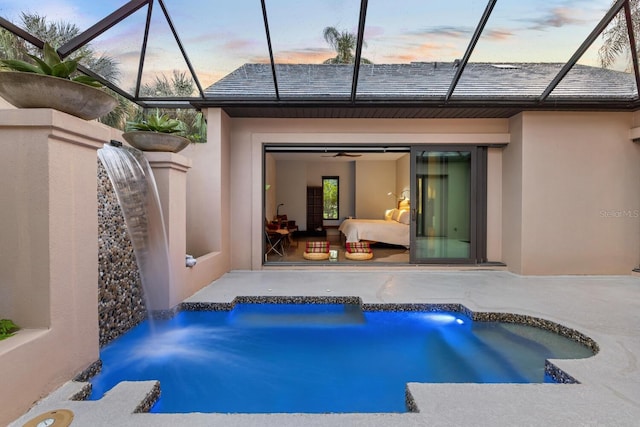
(190, 261)
(135, 187)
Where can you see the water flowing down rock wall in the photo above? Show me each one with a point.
(121, 303)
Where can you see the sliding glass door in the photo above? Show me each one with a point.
(444, 204)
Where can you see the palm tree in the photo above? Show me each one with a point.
(178, 85)
(616, 39)
(12, 46)
(57, 34)
(344, 43)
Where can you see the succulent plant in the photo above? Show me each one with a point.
(158, 123)
(7, 328)
(51, 65)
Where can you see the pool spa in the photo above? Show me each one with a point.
(329, 356)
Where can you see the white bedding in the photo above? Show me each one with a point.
(375, 230)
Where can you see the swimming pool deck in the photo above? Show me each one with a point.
(605, 308)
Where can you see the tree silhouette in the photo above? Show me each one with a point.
(344, 43)
(178, 85)
(57, 34)
(616, 38)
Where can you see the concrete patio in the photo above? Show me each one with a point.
(605, 308)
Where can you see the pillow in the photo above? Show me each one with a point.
(388, 214)
(395, 215)
(314, 247)
(404, 217)
(358, 247)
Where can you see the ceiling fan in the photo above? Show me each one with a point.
(343, 154)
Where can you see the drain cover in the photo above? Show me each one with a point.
(57, 418)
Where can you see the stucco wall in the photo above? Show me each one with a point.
(208, 202)
(48, 252)
(494, 204)
(578, 177)
(512, 166)
(248, 136)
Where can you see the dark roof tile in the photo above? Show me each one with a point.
(423, 80)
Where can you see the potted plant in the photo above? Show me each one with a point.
(50, 83)
(156, 132)
(7, 328)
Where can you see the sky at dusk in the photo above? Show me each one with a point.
(219, 36)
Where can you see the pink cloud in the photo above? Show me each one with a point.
(558, 17)
(304, 56)
(497, 34)
(371, 32)
(239, 44)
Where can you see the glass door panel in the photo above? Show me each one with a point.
(442, 210)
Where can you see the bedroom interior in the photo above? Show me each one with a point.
(370, 180)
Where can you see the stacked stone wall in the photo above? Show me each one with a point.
(121, 303)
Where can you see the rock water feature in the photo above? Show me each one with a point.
(132, 254)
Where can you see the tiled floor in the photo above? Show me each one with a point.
(603, 308)
(382, 254)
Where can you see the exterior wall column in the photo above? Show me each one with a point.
(170, 172)
(48, 251)
(570, 194)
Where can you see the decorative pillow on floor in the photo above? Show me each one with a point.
(317, 250)
(318, 247)
(360, 251)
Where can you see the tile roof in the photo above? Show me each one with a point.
(422, 81)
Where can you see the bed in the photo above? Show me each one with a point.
(393, 229)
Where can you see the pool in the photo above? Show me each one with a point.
(318, 358)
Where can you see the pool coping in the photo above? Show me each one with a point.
(607, 396)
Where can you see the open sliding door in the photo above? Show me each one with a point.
(448, 204)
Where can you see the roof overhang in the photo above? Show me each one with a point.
(390, 109)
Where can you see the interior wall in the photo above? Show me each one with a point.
(374, 180)
(270, 179)
(570, 194)
(403, 176)
(344, 170)
(291, 190)
(295, 176)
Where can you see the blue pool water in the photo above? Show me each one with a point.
(320, 358)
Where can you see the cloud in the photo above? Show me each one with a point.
(240, 44)
(298, 56)
(497, 34)
(371, 32)
(445, 31)
(421, 52)
(557, 17)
